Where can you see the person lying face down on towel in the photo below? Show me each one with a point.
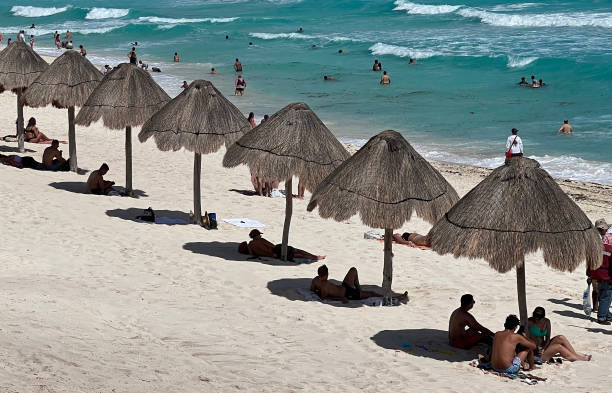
(96, 183)
(463, 330)
(506, 358)
(349, 290)
(415, 238)
(260, 247)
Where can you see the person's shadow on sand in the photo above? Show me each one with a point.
(80, 187)
(131, 213)
(428, 343)
(229, 251)
(288, 288)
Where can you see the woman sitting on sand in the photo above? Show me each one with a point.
(33, 134)
(538, 331)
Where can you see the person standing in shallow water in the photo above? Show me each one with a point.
(385, 80)
(566, 128)
(515, 144)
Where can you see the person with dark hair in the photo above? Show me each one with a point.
(52, 157)
(514, 143)
(251, 120)
(132, 56)
(238, 66)
(176, 57)
(463, 330)
(184, 85)
(384, 79)
(32, 134)
(538, 331)
(523, 82)
(412, 238)
(349, 290)
(96, 183)
(240, 85)
(376, 66)
(213, 72)
(566, 128)
(328, 78)
(261, 247)
(504, 357)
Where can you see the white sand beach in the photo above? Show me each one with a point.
(93, 301)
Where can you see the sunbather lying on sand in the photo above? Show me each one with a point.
(262, 248)
(349, 290)
(414, 238)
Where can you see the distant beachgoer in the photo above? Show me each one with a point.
(349, 290)
(143, 65)
(106, 69)
(376, 66)
(504, 356)
(238, 66)
(32, 134)
(300, 30)
(68, 35)
(33, 26)
(135, 43)
(340, 51)
(463, 330)
(176, 57)
(414, 238)
(385, 80)
(184, 85)
(227, 37)
(8, 42)
(329, 78)
(0, 38)
(261, 247)
(411, 61)
(523, 82)
(250, 43)
(156, 69)
(31, 41)
(515, 143)
(83, 50)
(566, 128)
(52, 157)
(96, 183)
(213, 72)
(251, 120)
(312, 47)
(538, 331)
(534, 82)
(541, 83)
(21, 36)
(132, 56)
(240, 85)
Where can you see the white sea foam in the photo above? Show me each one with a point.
(401, 51)
(424, 9)
(173, 21)
(520, 62)
(579, 19)
(513, 7)
(82, 27)
(35, 12)
(274, 36)
(106, 13)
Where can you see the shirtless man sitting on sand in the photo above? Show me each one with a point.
(504, 357)
(460, 319)
(414, 238)
(96, 183)
(52, 157)
(262, 248)
(349, 290)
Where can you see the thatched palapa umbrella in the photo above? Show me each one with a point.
(201, 120)
(293, 142)
(127, 97)
(385, 182)
(67, 83)
(19, 66)
(516, 210)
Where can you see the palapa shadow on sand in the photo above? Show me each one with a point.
(428, 343)
(14, 149)
(78, 187)
(229, 251)
(244, 192)
(571, 314)
(131, 213)
(595, 330)
(565, 302)
(287, 288)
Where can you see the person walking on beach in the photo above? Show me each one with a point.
(240, 86)
(566, 128)
(176, 57)
(514, 144)
(238, 66)
(132, 56)
(385, 80)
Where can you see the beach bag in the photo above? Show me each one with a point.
(586, 300)
(209, 220)
(509, 152)
(147, 215)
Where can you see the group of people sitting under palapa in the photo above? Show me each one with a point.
(349, 290)
(511, 349)
(260, 247)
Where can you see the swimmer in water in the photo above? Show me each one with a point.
(566, 128)
(227, 37)
(376, 66)
(300, 30)
(340, 51)
(385, 80)
(523, 82)
(212, 71)
(313, 47)
(329, 78)
(176, 57)
(238, 66)
(411, 61)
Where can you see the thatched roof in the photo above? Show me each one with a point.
(19, 66)
(127, 97)
(514, 211)
(292, 142)
(67, 82)
(200, 119)
(385, 181)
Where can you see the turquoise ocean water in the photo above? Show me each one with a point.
(457, 104)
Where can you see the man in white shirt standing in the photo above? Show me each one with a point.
(515, 144)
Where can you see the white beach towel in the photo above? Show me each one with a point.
(276, 193)
(310, 296)
(244, 222)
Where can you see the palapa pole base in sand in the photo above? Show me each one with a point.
(72, 152)
(128, 160)
(20, 136)
(197, 169)
(288, 213)
(522, 297)
(388, 268)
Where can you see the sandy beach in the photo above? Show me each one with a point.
(94, 301)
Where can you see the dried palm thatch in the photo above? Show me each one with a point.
(516, 210)
(126, 97)
(385, 182)
(201, 120)
(66, 83)
(293, 142)
(19, 66)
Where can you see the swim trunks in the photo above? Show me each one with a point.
(351, 293)
(514, 367)
(467, 342)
